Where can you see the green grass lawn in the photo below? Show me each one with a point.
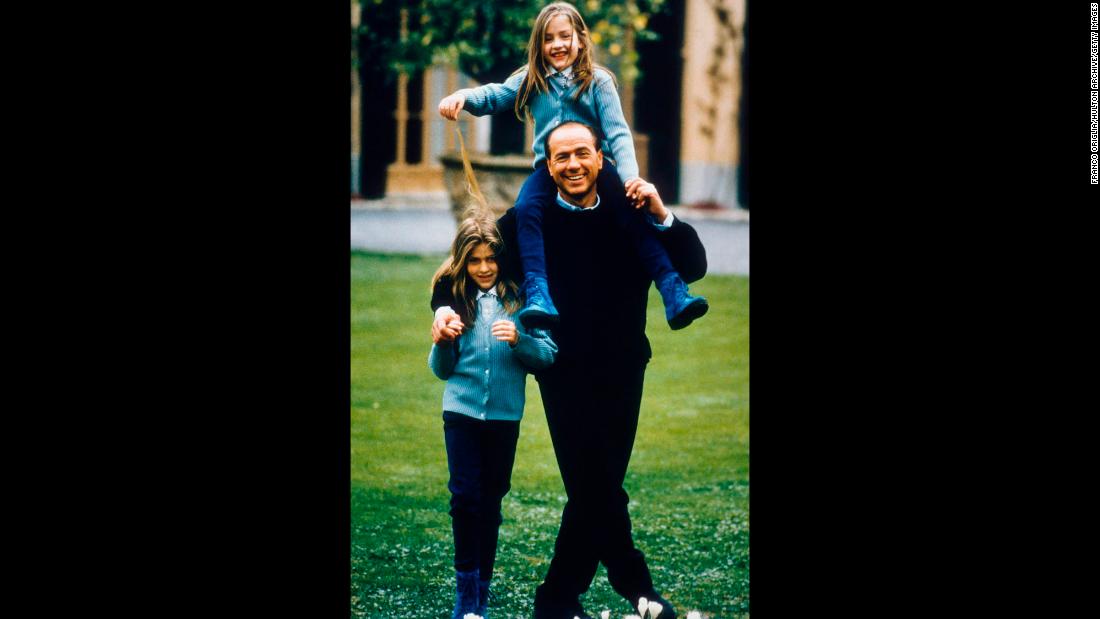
(688, 479)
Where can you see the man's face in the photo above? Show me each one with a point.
(574, 163)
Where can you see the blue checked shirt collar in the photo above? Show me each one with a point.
(565, 75)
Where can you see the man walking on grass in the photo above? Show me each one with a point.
(593, 393)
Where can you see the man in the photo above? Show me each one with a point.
(593, 392)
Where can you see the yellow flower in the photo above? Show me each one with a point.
(615, 49)
(597, 38)
(640, 21)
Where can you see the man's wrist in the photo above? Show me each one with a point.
(662, 223)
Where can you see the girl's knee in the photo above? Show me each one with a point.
(465, 504)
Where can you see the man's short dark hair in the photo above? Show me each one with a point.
(595, 134)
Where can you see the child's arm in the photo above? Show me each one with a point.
(613, 125)
(442, 358)
(536, 349)
(620, 141)
(485, 99)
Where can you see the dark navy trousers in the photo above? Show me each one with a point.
(480, 455)
(593, 419)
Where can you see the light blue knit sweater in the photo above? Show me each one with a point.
(599, 107)
(485, 377)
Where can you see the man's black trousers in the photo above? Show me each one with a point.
(592, 415)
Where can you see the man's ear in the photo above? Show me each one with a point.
(599, 160)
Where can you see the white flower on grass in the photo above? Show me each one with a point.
(694, 615)
(605, 614)
(632, 617)
(655, 609)
(643, 605)
(471, 616)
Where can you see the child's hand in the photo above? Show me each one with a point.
(505, 331)
(632, 187)
(446, 328)
(451, 105)
(645, 194)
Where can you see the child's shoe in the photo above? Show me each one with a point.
(466, 594)
(539, 311)
(482, 599)
(680, 307)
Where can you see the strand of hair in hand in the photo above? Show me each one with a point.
(480, 207)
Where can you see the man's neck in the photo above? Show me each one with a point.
(587, 202)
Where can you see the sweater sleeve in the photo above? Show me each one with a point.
(442, 359)
(441, 293)
(614, 127)
(685, 250)
(493, 98)
(535, 349)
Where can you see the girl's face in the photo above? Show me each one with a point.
(481, 266)
(559, 43)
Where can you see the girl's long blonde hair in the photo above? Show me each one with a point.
(536, 65)
(476, 228)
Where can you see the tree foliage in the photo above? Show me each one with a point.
(488, 40)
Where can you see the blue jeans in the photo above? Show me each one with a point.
(480, 455)
(539, 192)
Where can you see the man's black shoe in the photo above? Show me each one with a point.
(667, 612)
(547, 607)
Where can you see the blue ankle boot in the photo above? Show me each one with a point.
(466, 594)
(482, 599)
(539, 312)
(680, 307)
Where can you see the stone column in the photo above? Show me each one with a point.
(711, 95)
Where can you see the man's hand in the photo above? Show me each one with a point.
(446, 328)
(642, 193)
(505, 331)
(451, 105)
